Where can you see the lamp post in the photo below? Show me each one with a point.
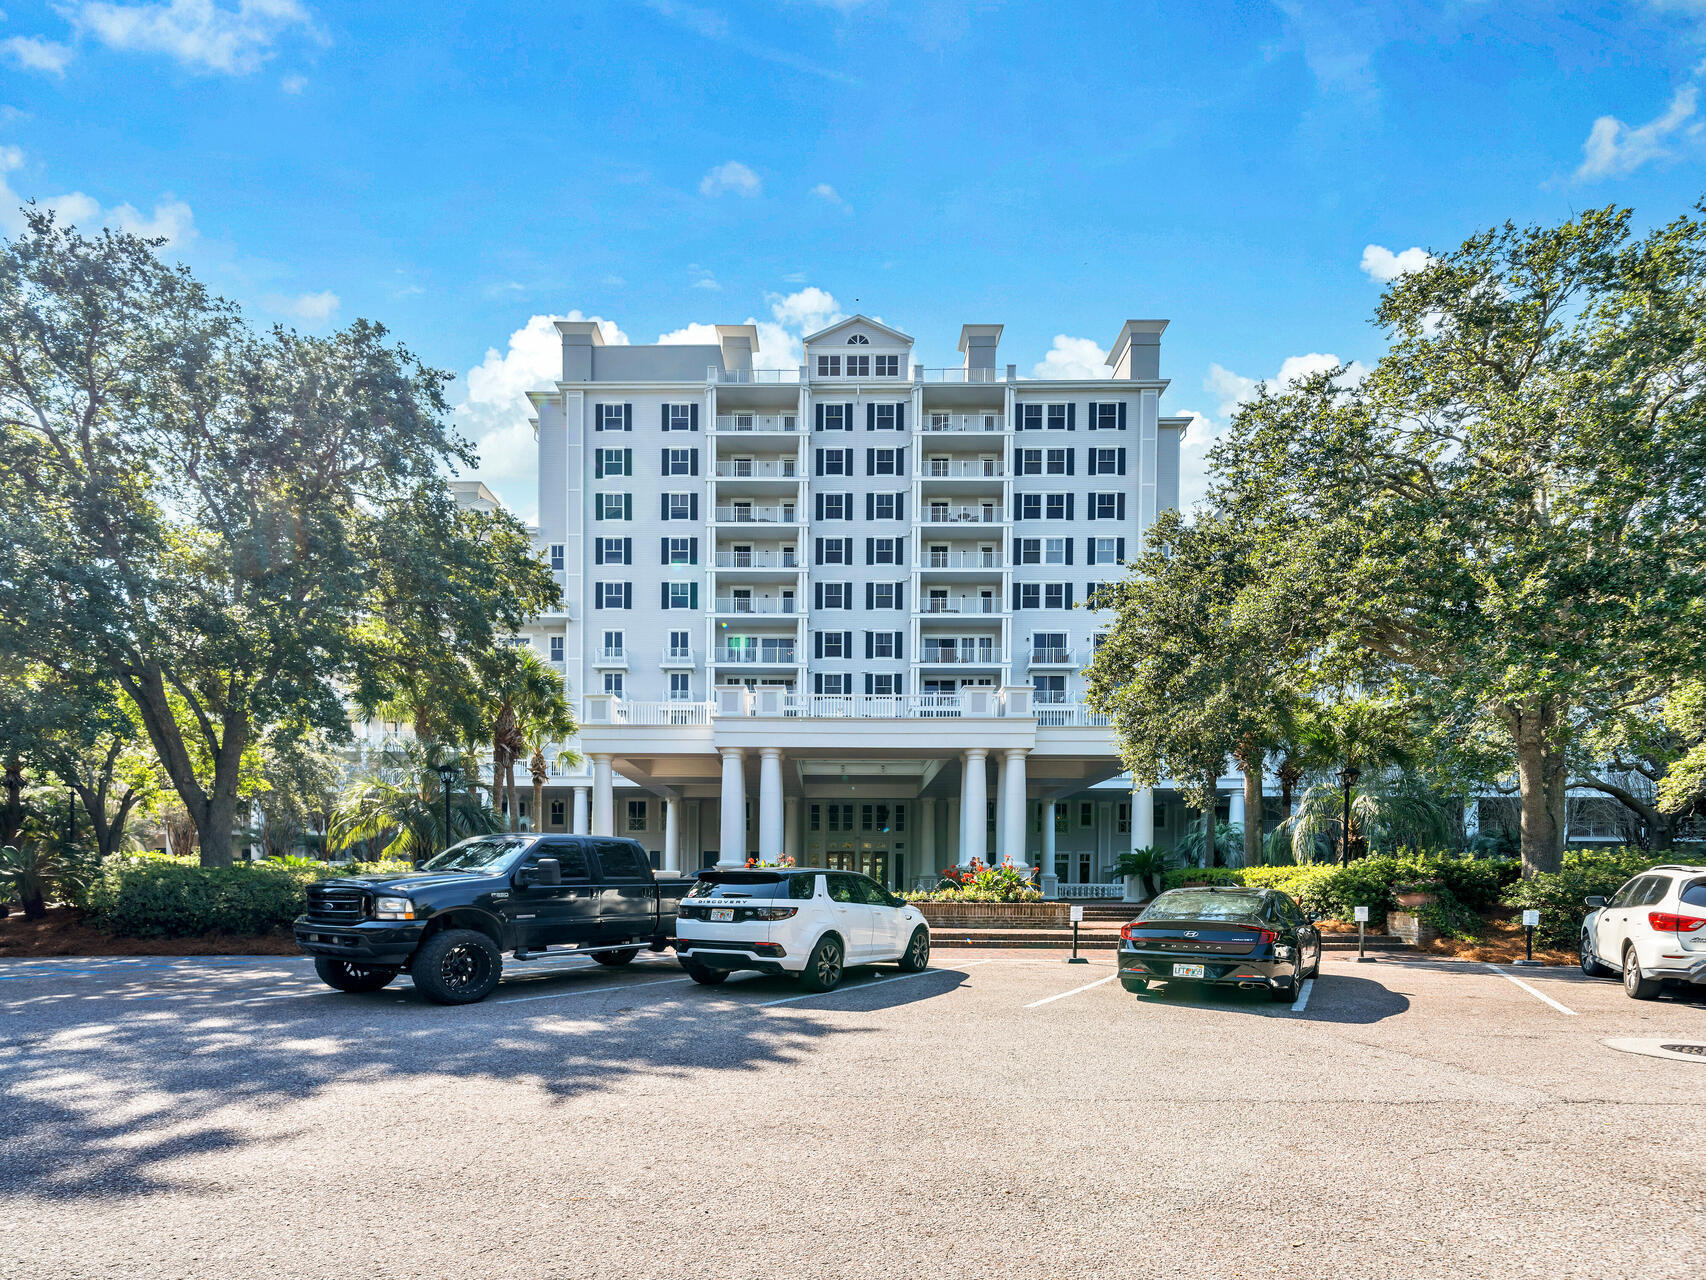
(70, 815)
(1348, 776)
(446, 775)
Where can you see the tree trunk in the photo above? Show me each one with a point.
(1250, 765)
(1208, 817)
(12, 812)
(509, 792)
(538, 767)
(1544, 782)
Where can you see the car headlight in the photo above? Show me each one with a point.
(393, 909)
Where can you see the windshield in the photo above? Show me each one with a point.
(487, 853)
(751, 884)
(1204, 904)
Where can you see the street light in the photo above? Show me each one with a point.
(1348, 775)
(446, 775)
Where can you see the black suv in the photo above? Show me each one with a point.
(450, 921)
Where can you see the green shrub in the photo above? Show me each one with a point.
(1558, 895)
(1202, 875)
(159, 896)
(988, 884)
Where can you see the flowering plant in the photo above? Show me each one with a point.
(784, 862)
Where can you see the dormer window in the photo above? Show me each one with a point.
(829, 366)
(858, 340)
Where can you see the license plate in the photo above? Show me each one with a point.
(728, 913)
(1187, 971)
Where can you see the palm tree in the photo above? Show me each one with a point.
(1355, 737)
(542, 727)
(397, 810)
(520, 689)
(1392, 810)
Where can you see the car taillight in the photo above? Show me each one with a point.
(1265, 936)
(775, 913)
(1666, 922)
(1125, 929)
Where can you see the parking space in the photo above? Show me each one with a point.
(1003, 1113)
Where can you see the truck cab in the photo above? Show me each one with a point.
(451, 921)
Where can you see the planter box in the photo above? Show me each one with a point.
(1411, 928)
(1414, 900)
(996, 915)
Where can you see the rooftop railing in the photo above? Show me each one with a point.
(737, 701)
(751, 376)
(960, 375)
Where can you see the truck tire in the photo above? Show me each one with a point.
(703, 976)
(916, 957)
(616, 959)
(457, 966)
(352, 977)
(825, 965)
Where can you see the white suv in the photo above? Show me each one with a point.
(1653, 930)
(804, 921)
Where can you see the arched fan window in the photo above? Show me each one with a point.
(858, 340)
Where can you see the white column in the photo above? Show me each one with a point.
(791, 828)
(926, 837)
(603, 797)
(1011, 813)
(1142, 818)
(1048, 837)
(583, 797)
(974, 802)
(1001, 852)
(671, 835)
(1236, 812)
(733, 850)
(770, 804)
(1472, 819)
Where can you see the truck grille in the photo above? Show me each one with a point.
(331, 905)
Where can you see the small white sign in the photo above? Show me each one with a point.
(1077, 914)
(1531, 919)
(1362, 915)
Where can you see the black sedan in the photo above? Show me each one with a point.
(1249, 938)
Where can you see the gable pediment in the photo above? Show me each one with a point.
(846, 333)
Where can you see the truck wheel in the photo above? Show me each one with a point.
(457, 966)
(616, 959)
(352, 977)
(916, 958)
(703, 976)
(823, 968)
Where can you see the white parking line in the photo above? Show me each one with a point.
(1302, 1002)
(587, 991)
(1051, 999)
(1538, 995)
(863, 986)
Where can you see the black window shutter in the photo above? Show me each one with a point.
(693, 551)
(627, 595)
(847, 506)
(692, 595)
(846, 595)
(819, 424)
(598, 551)
(869, 678)
(1069, 498)
(870, 417)
(1119, 550)
(870, 506)
(817, 595)
(1069, 551)
(817, 682)
(870, 462)
(663, 512)
(900, 595)
(1069, 454)
(693, 506)
(664, 550)
(900, 551)
(663, 460)
(900, 462)
(870, 596)
(900, 506)
(627, 506)
(870, 646)
(627, 551)
(900, 417)
(1119, 458)
(693, 462)
(899, 684)
(847, 551)
(598, 417)
(1071, 416)
(1068, 589)
(870, 552)
(627, 417)
(847, 417)
(627, 462)
(1016, 559)
(817, 644)
(900, 647)
(666, 417)
(1121, 505)
(598, 595)
(598, 465)
(818, 469)
(818, 552)
(1016, 603)
(820, 498)
(846, 644)
(693, 417)
(1090, 423)
(1122, 415)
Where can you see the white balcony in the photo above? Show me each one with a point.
(1053, 657)
(963, 605)
(962, 469)
(757, 469)
(610, 658)
(936, 558)
(744, 604)
(751, 513)
(757, 558)
(743, 423)
(963, 654)
(677, 658)
(737, 701)
(757, 656)
(942, 513)
(961, 375)
(963, 422)
(751, 376)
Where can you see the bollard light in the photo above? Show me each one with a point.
(1077, 911)
(1362, 935)
(1530, 922)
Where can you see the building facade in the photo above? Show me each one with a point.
(839, 612)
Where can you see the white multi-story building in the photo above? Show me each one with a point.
(839, 612)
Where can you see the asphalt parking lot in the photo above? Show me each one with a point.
(1004, 1114)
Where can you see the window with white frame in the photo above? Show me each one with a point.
(637, 815)
(888, 366)
(1030, 506)
(885, 595)
(884, 417)
(1030, 550)
(835, 462)
(885, 506)
(612, 417)
(613, 683)
(1054, 550)
(612, 644)
(612, 551)
(1056, 596)
(835, 506)
(886, 462)
(613, 595)
(885, 685)
(557, 555)
(834, 684)
(556, 648)
(1030, 595)
(858, 340)
(678, 462)
(681, 550)
(680, 686)
(615, 461)
(834, 644)
(829, 366)
(680, 418)
(1107, 506)
(680, 645)
(836, 595)
(1104, 550)
(1059, 463)
(1028, 417)
(1107, 462)
(613, 506)
(680, 595)
(1057, 418)
(858, 366)
(1028, 462)
(1058, 507)
(1104, 417)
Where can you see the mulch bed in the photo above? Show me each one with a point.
(61, 932)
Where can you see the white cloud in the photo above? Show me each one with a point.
(1381, 264)
(199, 34)
(829, 195)
(304, 306)
(792, 316)
(171, 220)
(1614, 149)
(703, 278)
(808, 310)
(794, 277)
(730, 176)
(293, 83)
(33, 54)
(692, 335)
(1072, 358)
(489, 403)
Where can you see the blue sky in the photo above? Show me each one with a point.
(462, 173)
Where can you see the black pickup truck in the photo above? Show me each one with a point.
(450, 921)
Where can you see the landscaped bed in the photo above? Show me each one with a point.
(63, 932)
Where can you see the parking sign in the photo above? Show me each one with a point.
(1077, 913)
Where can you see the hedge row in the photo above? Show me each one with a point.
(154, 896)
(1558, 895)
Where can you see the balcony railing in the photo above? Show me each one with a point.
(759, 376)
(742, 513)
(978, 422)
(963, 469)
(739, 701)
(745, 422)
(605, 709)
(937, 558)
(741, 604)
(962, 515)
(1046, 656)
(768, 656)
(962, 656)
(757, 469)
(611, 657)
(963, 604)
(676, 658)
(962, 375)
(756, 559)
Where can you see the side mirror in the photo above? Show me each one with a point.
(546, 872)
(1315, 917)
(1594, 903)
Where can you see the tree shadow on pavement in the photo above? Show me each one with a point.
(104, 1079)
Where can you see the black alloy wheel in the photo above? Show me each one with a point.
(824, 966)
(916, 958)
(458, 966)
